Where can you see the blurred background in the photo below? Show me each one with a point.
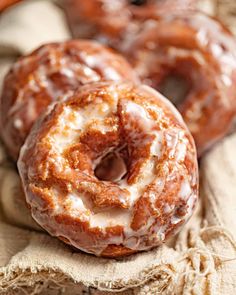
(26, 24)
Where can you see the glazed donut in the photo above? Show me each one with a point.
(111, 170)
(41, 77)
(110, 21)
(198, 55)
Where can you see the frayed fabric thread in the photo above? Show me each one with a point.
(189, 270)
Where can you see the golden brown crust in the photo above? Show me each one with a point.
(138, 208)
(111, 21)
(41, 77)
(202, 52)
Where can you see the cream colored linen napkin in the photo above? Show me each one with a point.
(26, 26)
(30, 24)
(201, 260)
(226, 11)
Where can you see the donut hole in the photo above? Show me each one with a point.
(138, 2)
(175, 87)
(112, 167)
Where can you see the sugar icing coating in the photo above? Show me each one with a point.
(149, 200)
(45, 75)
(112, 22)
(199, 50)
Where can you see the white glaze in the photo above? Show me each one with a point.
(185, 190)
(112, 217)
(79, 205)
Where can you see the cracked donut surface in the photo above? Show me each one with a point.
(111, 170)
(200, 54)
(45, 75)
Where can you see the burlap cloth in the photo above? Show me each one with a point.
(200, 260)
